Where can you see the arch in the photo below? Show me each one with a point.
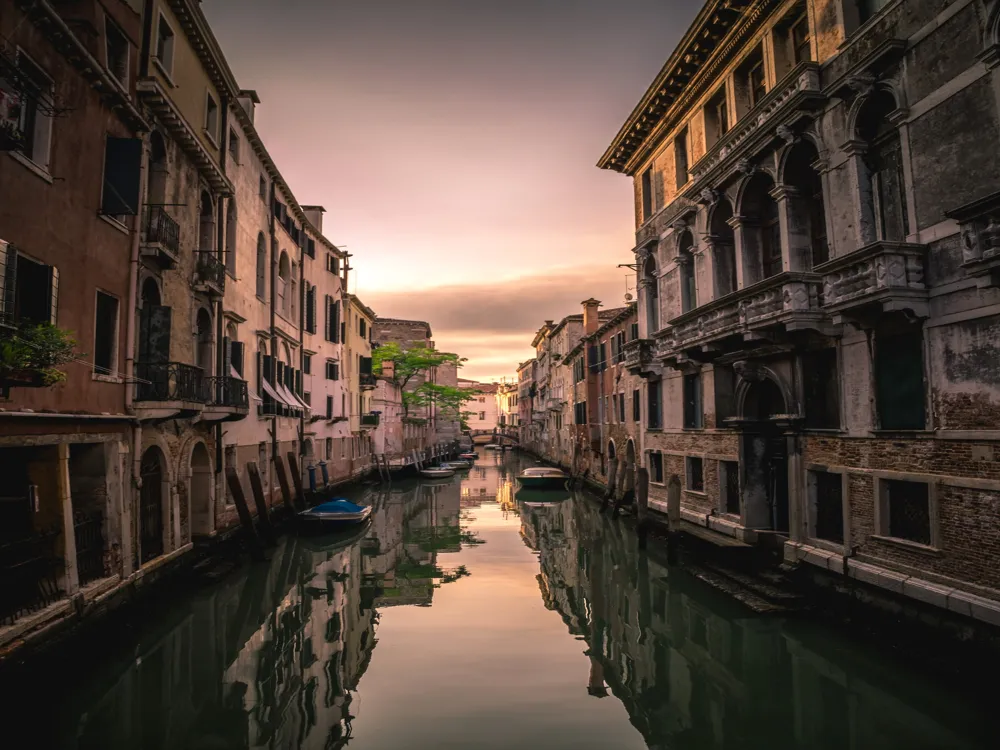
(205, 343)
(261, 266)
(807, 241)
(652, 286)
(760, 398)
(882, 186)
(201, 490)
(150, 294)
(685, 259)
(206, 235)
(231, 237)
(611, 450)
(156, 178)
(232, 333)
(282, 291)
(992, 35)
(759, 220)
(723, 241)
(153, 509)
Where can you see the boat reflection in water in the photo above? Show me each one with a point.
(425, 630)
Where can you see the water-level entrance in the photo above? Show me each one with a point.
(470, 616)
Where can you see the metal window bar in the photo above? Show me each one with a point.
(29, 568)
(89, 531)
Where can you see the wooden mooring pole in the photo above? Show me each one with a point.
(263, 518)
(256, 548)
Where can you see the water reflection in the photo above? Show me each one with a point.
(694, 670)
(429, 618)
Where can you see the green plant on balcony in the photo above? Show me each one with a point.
(30, 355)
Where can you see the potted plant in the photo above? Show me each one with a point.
(31, 354)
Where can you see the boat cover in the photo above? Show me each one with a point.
(340, 505)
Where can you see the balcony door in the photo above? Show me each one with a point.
(154, 341)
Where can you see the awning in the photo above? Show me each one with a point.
(287, 398)
(235, 374)
(270, 391)
(302, 404)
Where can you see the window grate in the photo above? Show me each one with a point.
(909, 510)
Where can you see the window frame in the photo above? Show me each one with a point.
(211, 106)
(41, 124)
(166, 66)
(110, 25)
(689, 466)
(883, 522)
(111, 371)
(693, 381)
(656, 467)
(646, 193)
(233, 145)
(812, 495)
(681, 149)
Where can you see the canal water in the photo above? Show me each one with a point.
(469, 616)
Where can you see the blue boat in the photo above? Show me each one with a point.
(334, 514)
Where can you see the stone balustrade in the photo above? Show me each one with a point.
(884, 276)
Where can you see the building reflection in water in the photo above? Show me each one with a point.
(696, 670)
(272, 659)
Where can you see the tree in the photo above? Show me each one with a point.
(447, 398)
(408, 364)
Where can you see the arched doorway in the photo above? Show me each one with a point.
(151, 506)
(154, 344)
(761, 229)
(807, 240)
(201, 492)
(764, 456)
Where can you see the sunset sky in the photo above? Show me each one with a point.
(453, 144)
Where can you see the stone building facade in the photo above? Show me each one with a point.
(816, 193)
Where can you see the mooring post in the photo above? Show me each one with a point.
(257, 489)
(293, 465)
(256, 548)
(609, 493)
(673, 516)
(642, 503)
(286, 492)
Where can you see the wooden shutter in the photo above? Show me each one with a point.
(227, 356)
(53, 294)
(8, 281)
(236, 355)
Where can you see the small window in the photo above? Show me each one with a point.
(906, 510)
(695, 470)
(307, 398)
(899, 380)
(329, 448)
(716, 118)
(307, 364)
(165, 46)
(35, 119)
(653, 392)
(106, 334)
(729, 486)
(482, 415)
(656, 468)
(30, 290)
(799, 40)
(756, 84)
(329, 407)
(621, 408)
(116, 52)
(681, 158)
(826, 496)
(636, 406)
(693, 411)
(647, 193)
(362, 327)
(234, 146)
(580, 413)
(822, 386)
(211, 118)
(262, 188)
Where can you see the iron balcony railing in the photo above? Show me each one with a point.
(161, 228)
(169, 381)
(227, 391)
(211, 270)
(29, 569)
(370, 420)
(367, 380)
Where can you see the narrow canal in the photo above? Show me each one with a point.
(467, 617)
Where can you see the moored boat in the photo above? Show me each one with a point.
(437, 473)
(468, 456)
(491, 447)
(456, 465)
(543, 478)
(334, 514)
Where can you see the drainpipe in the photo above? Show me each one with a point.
(220, 355)
(274, 319)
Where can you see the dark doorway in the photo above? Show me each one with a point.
(764, 455)
(151, 505)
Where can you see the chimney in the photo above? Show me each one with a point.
(315, 216)
(388, 369)
(248, 99)
(590, 320)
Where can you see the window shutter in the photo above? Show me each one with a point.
(236, 355)
(343, 330)
(336, 326)
(336, 371)
(227, 356)
(54, 292)
(329, 407)
(8, 281)
(122, 159)
(298, 382)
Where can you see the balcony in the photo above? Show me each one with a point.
(880, 278)
(785, 302)
(370, 420)
(161, 236)
(367, 381)
(798, 93)
(539, 415)
(168, 390)
(554, 404)
(211, 273)
(226, 399)
(639, 357)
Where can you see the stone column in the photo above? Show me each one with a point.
(864, 207)
(797, 496)
(116, 526)
(66, 507)
(746, 251)
(793, 220)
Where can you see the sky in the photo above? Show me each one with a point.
(453, 144)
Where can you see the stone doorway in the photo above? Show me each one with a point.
(764, 456)
(202, 492)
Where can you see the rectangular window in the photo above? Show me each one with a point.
(716, 118)
(621, 408)
(729, 485)
(868, 8)
(695, 471)
(329, 449)
(122, 172)
(165, 46)
(262, 188)
(333, 264)
(482, 415)
(106, 334)
(654, 417)
(647, 193)
(329, 407)
(362, 327)
(799, 40)
(29, 291)
(681, 158)
(756, 84)
(580, 413)
(899, 380)
(906, 510)
(885, 162)
(35, 120)
(602, 357)
(693, 410)
(826, 497)
(116, 52)
(332, 371)
(234, 146)
(656, 467)
(633, 333)
(724, 379)
(822, 388)
(307, 364)
(211, 117)
(636, 406)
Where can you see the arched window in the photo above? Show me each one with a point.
(156, 178)
(685, 262)
(882, 185)
(807, 217)
(652, 284)
(261, 266)
(206, 237)
(723, 248)
(284, 275)
(762, 233)
(231, 237)
(150, 293)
